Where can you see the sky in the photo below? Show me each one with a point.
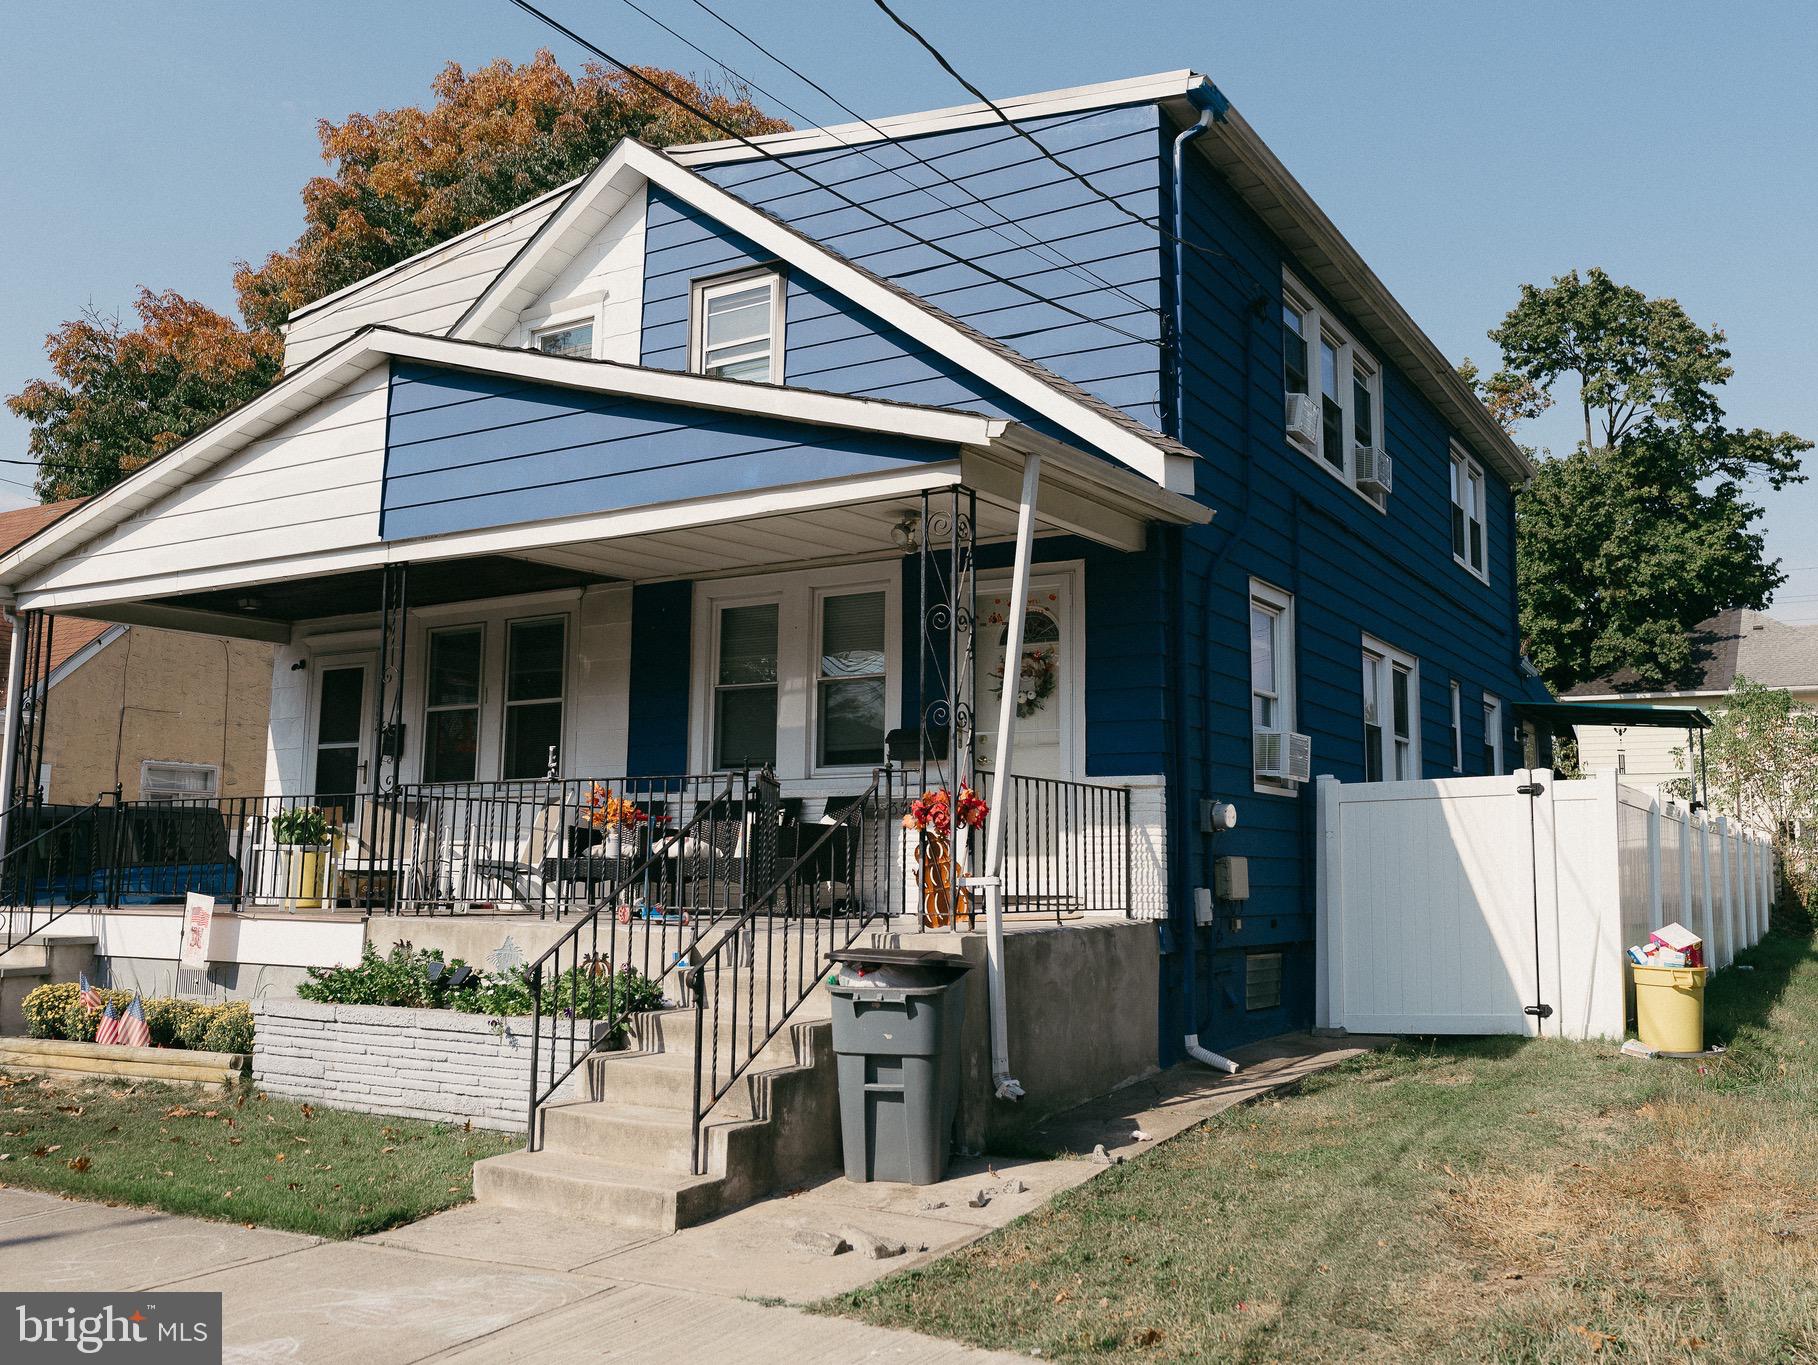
(1464, 149)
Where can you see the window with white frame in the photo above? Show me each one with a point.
(1271, 667)
(1492, 735)
(745, 686)
(849, 711)
(536, 652)
(737, 327)
(1391, 713)
(1467, 514)
(160, 781)
(1457, 727)
(1320, 360)
(451, 713)
(799, 670)
(573, 339)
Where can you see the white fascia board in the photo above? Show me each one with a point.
(811, 406)
(1112, 484)
(83, 655)
(1105, 95)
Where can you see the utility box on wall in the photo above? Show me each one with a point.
(1231, 878)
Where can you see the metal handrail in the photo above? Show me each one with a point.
(664, 868)
(19, 868)
(876, 805)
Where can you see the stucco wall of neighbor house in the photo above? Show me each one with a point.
(1082, 1007)
(166, 696)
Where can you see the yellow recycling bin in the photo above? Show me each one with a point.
(1669, 1007)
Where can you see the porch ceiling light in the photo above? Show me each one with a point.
(907, 532)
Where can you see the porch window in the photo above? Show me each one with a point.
(534, 655)
(1467, 514)
(575, 339)
(1271, 667)
(745, 687)
(451, 719)
(1391, 713)
(738, 326)
(1492, 735)
(849, 715)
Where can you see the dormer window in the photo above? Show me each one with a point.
(738, 327)
(573, 340)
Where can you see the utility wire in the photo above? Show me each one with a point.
(734, 134)
(1154, 224)
(1035, 243)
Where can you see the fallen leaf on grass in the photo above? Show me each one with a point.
(1696, 1343)
(1149, 1336)
(73, 1110)
(46, 1151)
(1593, 1338)
(279, 1157)
(78, 1164)
(1063, 1296)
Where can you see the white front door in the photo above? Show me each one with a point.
(1047, 740)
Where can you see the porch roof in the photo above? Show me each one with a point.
(109, 559)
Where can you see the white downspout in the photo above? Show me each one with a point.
(1002, 1082)
(15, 706)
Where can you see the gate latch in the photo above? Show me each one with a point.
(1539, 1011)
(1529, 789)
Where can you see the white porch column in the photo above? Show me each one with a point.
(15, 706)
(1002, 1081)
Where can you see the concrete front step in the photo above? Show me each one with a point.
(39, 961)
(577, 1186)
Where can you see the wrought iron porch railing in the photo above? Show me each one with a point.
(652, 909)
(56, 860)
(1068, 847)
(846, 877)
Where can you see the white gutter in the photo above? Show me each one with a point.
(1006, 1086)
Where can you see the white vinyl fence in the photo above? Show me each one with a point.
(1472, 905)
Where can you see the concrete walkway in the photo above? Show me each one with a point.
(489, 1284)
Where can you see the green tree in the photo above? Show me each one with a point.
(403, 180)
(1761, 767)
(1646, 529)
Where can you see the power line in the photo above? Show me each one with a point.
(705, 117)
(1035, 243)
(1154, 224)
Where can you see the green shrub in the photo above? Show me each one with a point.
(301, 825)
(45, 1008)
(400, 978)
(231, 1029)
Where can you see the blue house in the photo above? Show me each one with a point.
(763, 486)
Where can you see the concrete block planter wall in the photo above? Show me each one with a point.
(423, 1064)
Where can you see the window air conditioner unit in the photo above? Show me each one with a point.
(1303, 417)
(1284, 755)
(1375, 470)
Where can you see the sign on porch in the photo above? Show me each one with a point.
(198, 932)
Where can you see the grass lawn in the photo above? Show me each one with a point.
(1488, 1199)
(237, 1156)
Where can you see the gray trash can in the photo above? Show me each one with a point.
(899, 1061)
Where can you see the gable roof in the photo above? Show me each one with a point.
(631, 164)
(1733, 644)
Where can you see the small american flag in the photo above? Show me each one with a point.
(108, 1030)
(89, 997)
(134, 1031)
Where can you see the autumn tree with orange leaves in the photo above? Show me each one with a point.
(403, 180)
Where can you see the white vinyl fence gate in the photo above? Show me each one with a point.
(1505, 904)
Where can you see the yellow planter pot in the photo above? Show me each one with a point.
(1669, 1007)
(305, 875)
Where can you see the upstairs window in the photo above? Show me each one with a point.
(1457, 727)
(1342, 388)
(737, 327)
(1467, 514)
(574, 340)
(1492, 735)
(1271, 669)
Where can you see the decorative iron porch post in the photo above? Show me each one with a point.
(388, 700)
(948, 647)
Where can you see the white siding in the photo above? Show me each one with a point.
(606, 276)
(427, 295)
(1647, 753)
(312, 485)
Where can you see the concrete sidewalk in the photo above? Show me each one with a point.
(491, 1284)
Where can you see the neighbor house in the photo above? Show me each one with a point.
(759, 458)
(1733, 644)
(157, 713)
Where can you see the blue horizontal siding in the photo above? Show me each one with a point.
(465, 451)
